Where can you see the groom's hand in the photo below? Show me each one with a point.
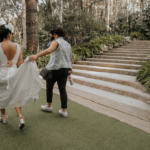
(32, 58)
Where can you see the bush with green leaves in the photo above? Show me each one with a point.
(44, 39)
(138, 21)
(96, 45)
(41, 62)
(137, 35)
(80, 25)
(143, 75)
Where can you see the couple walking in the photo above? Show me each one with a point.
(20, 85)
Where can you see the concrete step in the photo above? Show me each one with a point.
(120, 57)
(106, 69)
(113, 65)
(121, 103)
(137, 44)
(114, 61)
(126, 54)
(111, 77)
(136, 47)
(135, 50)
(124, 109)
(113, 88)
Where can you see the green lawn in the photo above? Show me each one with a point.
(83, 130)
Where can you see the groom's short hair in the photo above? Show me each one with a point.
(59, 31)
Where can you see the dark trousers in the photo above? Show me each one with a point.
(59, 76)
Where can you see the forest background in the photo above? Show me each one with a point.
(82, 19)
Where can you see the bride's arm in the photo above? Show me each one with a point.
(20, 59)
(51, 49)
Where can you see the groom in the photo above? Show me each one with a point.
(61, 65)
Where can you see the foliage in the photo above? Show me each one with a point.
(80, 25)
(133, 21)
(96, 45)
(143, 75)
(44, 39)
(41, 62)
(85, 49)
(137, 35)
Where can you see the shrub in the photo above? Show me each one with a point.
(44, 39)
(143, 75)
(96, 45)
(137, 35)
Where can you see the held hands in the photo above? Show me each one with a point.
(33, 58)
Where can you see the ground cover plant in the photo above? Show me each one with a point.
(96, 45)
(137, 35)
(143, 75)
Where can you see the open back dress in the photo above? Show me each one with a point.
(18, 85)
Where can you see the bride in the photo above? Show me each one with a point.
(17, 86)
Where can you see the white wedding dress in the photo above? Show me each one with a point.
(18, 85)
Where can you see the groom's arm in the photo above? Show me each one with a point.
(51, 49)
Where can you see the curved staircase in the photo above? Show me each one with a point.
(107, 84)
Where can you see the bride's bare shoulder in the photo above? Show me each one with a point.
(13, 44)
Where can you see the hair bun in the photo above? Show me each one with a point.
(4, 32)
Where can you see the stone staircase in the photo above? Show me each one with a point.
(106, 83)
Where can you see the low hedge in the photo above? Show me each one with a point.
(143, 75)
(96, 45)
(137, 35)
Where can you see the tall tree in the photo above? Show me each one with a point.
(32, 25)
(84, 3)
(24, 23)
(143, 4)
(51, 8)
(107, 2)
(61, 12)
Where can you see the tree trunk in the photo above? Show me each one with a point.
(32, 25)
(81, 5)
(96, 12)
(61, 12)
(51, 8)
(84, 3)
(67, 4)
(24, 24)
(143, 4)
(56, 9)
(107, 13)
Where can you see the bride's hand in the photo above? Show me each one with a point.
(32, 58)
(10, 63)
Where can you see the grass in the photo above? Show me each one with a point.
(83, 130)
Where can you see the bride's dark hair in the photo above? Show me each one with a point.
(4, 32)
